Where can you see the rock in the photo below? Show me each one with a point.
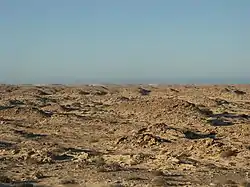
(239, 92)
(228, 153)
(144, 92)
(159, 182)
(5, 179)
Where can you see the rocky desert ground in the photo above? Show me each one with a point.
(124, 135)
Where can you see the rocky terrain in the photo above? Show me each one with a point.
(124, 135)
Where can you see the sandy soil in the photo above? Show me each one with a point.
(131, 135)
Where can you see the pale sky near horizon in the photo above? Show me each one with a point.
(62, 41)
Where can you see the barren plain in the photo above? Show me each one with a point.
(124, 135)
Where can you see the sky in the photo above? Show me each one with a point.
(74, 41)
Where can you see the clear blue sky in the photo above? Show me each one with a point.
(117, 40)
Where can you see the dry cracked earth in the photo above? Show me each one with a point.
(124, 135)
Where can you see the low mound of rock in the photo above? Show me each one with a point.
(24, 113)
(146, 139)
(163, 108)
